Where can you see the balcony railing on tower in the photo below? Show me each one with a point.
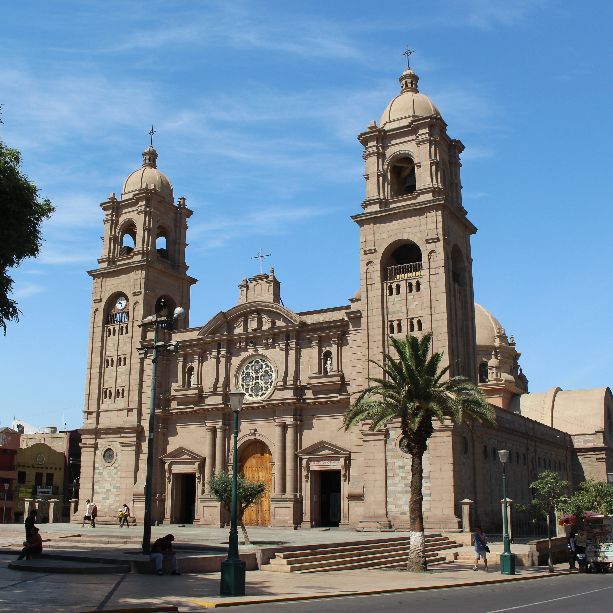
(404, 271)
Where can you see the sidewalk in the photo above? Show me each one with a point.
(34, 592)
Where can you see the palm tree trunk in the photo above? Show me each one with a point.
(417, 556)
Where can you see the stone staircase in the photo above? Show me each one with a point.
(379, 553)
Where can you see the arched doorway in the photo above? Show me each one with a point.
(256, 465)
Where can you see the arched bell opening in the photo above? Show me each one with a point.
(402, 177)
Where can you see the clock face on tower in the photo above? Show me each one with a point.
(121, 303)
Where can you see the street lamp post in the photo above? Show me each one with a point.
(507, 559)
(6, 491)
(158, 348)
(233, 568)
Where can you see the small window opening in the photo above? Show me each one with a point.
(128, 240)
(161, 243)
(391, 327)
(485, 452)
(402, 177)
(483, 372)
(397, 289)
(399, 326)
(410, 288)
(417, 286)
(411, 326)
(390, 290)
(419, 325)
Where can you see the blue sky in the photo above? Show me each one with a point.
(257, 106)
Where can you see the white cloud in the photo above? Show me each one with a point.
(26, 290)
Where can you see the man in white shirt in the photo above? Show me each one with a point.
(88, 512)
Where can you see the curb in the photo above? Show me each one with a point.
(210, 604)
(138, 609)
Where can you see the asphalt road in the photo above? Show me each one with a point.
(585, 593)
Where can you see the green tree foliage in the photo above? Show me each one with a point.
(22, 212)
(249, 492)
(549, 493)
(591, 496)
(414, 393)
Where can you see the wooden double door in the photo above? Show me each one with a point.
(256, 465)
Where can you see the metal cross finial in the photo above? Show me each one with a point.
(260, 256)
(151, 133)
(408, 53)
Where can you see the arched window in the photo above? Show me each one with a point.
(417, 286)
(410, 287)
(164, 306)
(419, 327)
(118, 312)
(411, 325)
(404, 262)
(189, 376)
(399, 326)
(402, 177)
(390, 290)
(326, 362)
(483, 372)
(391, 327)
(161, 243)
(127, 240)
(397, 289)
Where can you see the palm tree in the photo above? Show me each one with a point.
(414, 392)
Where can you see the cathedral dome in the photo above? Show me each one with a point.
(148, 176)
(409, 104)
(487, 327)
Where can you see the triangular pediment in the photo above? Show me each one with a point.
(247, 316)
(324, 448)
(181, 453)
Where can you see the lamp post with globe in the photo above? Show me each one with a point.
(159, 347)
(233, 568)
(507, 559)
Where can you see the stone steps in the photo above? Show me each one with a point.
(382, 553)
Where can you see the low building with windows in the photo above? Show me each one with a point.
(300, 369)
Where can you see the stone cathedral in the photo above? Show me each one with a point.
(300, 369)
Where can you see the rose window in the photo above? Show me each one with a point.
(256, 378)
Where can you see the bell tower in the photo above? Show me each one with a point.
(415, 258)
(142, 271)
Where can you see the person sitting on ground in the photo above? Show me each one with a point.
(32, 548)
(163, 547)
(29, 524)
(481, 548)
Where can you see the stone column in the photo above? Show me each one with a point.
(52, 504)
(509, 515)
(220, 449)
(466, 514)
(290, 458)
(210, 454)
(74, 506)
(280, 458)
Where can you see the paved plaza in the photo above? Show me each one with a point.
(50, 591)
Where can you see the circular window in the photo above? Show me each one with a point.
(108, 456)
(403, 444)
(256, 378)
(40, 459)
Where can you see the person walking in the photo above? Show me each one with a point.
(163, 548)
(33, 547)
(125, 516)
(572, 548)
(481, 548)
(29, 524)
(87, 517)
(93, 514)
